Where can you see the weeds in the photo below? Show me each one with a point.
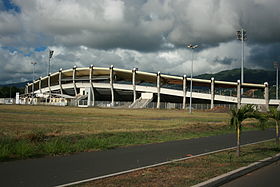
(191, 171)
(39, 142)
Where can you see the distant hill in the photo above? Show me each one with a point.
(250, 75)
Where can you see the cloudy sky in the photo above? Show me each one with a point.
(149, 34)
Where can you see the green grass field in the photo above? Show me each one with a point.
(35, 131)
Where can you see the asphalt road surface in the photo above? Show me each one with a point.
(51, 171)
(264, 177)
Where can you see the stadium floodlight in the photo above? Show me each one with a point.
(192, 47)
(276, 65)
(33, 63)
(242, 36)
(50, 56)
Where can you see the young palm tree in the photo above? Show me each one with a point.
(239, 115)
(275, 115)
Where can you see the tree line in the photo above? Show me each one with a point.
(10, 91)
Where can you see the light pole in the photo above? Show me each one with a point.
(33, 63)
(192, 47)
(276, 65)
(242, 36)
(50, 56)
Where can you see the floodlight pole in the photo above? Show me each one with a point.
(50, 56)
(242, 61)
(33, 63)
(49, 67)
(242, 36)
(192, 47)
(277, 82)
(276, 65)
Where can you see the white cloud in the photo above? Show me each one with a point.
(150, 35)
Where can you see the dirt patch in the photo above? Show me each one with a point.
(219, 109)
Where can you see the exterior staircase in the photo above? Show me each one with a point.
(143, 101)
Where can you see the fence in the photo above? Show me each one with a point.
(199, 106)
(163, 105)
(7, 101)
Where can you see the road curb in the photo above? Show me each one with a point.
(227, 177)
(153, 165)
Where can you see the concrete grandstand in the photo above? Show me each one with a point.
(89, 85)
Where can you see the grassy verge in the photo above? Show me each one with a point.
(35, 131)
(191, 171)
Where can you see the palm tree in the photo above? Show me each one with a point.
(239, 115)
(275, 115)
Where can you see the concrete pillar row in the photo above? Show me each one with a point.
(212, 92)
(112, 85)
(158, 90)
(40, 84)
(238, 90)
(74, 80)
(184, 91)
(92, 99)
(134, 83)
(266, 95)
(59, 79)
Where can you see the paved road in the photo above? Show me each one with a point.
(267, 176)
(53, 171)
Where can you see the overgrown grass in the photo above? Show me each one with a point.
(35, 131)
(191, 171)
(39, 144)
(16, 120)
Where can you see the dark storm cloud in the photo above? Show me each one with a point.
(150, 34)
(142, 25)
(264, 55)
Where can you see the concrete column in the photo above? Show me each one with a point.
(112, 85)
(212, 92)
(49, 83)
(33, 87)
(40, 84)
(32, 100)
(59, 79)
(238, 94)
(158, 90)
(73, 78)
(134, 83)
(26, 89)
(266, 95)
(92, 99)
(184, 91)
